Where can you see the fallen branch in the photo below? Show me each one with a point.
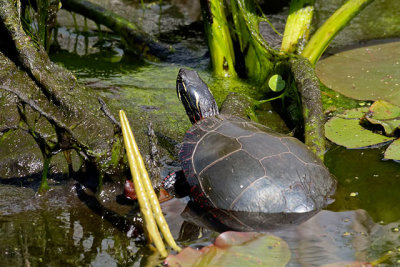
(308, 87)
(134, 37)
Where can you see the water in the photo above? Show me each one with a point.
(71, 226)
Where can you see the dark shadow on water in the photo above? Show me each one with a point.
(33, 181)
(122, 223)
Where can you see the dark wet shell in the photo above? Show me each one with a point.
(241, 166)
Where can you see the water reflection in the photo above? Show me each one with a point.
(66, 227)
(333, 237)
(366, 182)
(70, 226)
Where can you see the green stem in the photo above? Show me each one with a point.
(297, 26)
(43, 6)
(258, 55)
(324, 35)
(219, 38)
(75, 22)
(270, 99)
(44, 186)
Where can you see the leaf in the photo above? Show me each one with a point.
(385, 114)
(236, 249)
(345, 130)
(383, 110)
(366, 73)
(393, 151)
(356, 113)
(276, 83)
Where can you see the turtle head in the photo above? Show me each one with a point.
(195, 96)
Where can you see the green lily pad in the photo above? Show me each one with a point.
(385, 114)
(367, 73)
(236, 249)
(393, 151)
(356, 113)
(276, 83)
(349, 133)
(383, 110)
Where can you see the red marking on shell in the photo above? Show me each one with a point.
(166, 178)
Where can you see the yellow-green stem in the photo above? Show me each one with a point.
(257, 53)
(143, 200)
(148, 200)
(219, 38)
(44, 186)
(324, 35)
(297, 26)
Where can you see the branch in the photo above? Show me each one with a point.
(36, 62)
(132, 35)
(66, 138)
(308, 86)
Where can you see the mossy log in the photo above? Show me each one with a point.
(43, 104)
(307, 85)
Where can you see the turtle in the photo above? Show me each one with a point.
(244, 174)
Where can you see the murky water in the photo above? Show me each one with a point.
(70, 226)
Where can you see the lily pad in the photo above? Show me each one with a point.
(367, 73)
(385, 114)
(236, 249)
(276, 83)
(355, 113)
(393, 151)
(345, 130)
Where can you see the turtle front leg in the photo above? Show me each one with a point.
(130, 193)
(176, 184)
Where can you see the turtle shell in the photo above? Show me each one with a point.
(239, 166)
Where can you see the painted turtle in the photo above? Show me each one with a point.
(248, 176)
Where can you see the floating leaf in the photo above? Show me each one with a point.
(385, 114)
(367, 73)
(393, 151)
(276, 83)
(236, 249)
(349, 133)
(383, 110)
(356, 113)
